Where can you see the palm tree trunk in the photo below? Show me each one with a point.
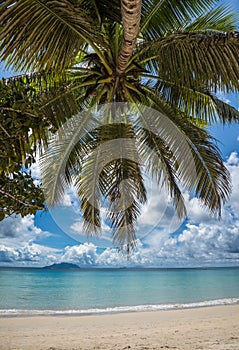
(131, 14)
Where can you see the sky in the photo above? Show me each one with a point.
(56, 235)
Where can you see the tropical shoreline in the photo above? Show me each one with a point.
(117, 309)
(184, 329)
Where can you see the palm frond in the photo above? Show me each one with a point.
(208, 59)
(213, 185)
(199, 105)
(225, 112)
(160, 17)
(55, 169)
(87, 185)
(199, 165)
(220, 19)
(124, 185)
(162, 166)
(112, 171)
(124, 225)
(42, 34)
(105, 10)
(58, 105)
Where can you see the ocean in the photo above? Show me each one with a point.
(28, 291)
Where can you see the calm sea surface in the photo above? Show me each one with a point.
(92, 291)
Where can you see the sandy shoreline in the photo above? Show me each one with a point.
(203, 328)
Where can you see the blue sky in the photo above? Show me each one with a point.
(201, 240)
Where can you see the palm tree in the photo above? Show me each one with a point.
(169, 56)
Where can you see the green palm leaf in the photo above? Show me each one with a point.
(54, 163)
(199, 105)
(197, 161)
(220, 19)
(160, 17)
(105, 10)
(66, 30)
(197, 59)
(111, 171)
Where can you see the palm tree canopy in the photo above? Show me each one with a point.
(157, 65)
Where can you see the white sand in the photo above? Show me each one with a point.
(205, 328)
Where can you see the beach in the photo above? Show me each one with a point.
(185, 329)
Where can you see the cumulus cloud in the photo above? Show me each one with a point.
(29, 252)
(7, 254)
(113, 257)
(233, 159)
(83, 254)
(77, 226)
(15, 229)
(17, 236)
(88, 254)
(203, 244)
(27, 255)
(36, 173)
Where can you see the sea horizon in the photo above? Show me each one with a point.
(97, 267)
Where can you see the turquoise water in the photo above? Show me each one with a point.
(86, 291)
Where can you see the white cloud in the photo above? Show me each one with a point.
(17, 237)
(7, 254)
(36, 173)
(113, 257)
(66, 201)
(70, 199)
(28, 254)
(15, 230)
(77, 226)
(233, 167)
(233, 159)
(83, 254)
(87, 254)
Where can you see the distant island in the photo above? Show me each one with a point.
(61, 266)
